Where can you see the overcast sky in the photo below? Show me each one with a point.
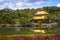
(22, 4)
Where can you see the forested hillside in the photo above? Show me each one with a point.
(24, 15)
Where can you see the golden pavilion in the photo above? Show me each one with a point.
(40, 16)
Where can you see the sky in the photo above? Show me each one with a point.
(22, 4)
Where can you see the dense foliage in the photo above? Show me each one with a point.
(24, 15)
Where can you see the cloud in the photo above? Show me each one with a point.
(2, 0)
(58, 5)
(37, 3)
(29, 4)
(36, 0)
(20, 4)
(1, 7)
(6, 5)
